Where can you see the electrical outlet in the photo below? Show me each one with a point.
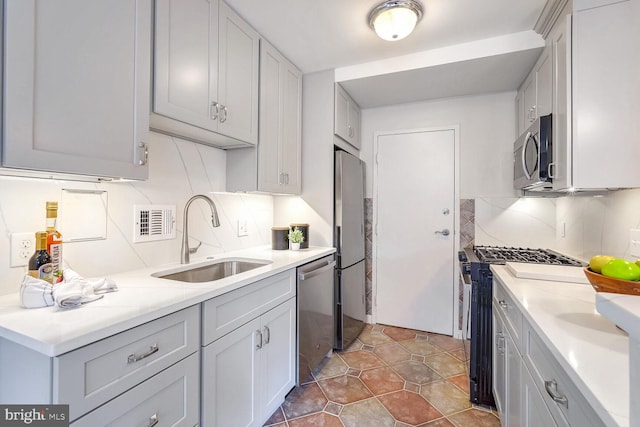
(634, 236)
(23, 245)
(243, 230)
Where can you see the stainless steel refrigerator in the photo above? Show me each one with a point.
(348, 237)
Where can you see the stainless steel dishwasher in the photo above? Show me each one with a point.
(315, 314)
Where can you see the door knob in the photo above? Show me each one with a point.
(444, 232)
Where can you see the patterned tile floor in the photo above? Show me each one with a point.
(389, 377)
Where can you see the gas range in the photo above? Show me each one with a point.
(476, 259)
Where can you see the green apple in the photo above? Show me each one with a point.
(596, 262)
(621, 269)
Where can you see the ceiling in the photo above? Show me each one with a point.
(334, 34)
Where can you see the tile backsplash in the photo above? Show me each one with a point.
(177, 170)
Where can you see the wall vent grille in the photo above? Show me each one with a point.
(154, 222)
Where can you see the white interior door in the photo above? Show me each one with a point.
(415, 201)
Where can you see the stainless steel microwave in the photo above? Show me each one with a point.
(533, 157)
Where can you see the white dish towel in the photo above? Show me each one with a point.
(73, 291)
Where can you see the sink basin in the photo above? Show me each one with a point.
(213, 271)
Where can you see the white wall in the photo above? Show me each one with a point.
(178, 169)
(598, 225)
(487, 132)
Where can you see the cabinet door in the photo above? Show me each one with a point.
(291, 147)
(534, 411)
(270, 176)
(544, 83)
(561, 51)
(529, 90)
(512, 382)
(77, 90)
(185, 61)
(229, 378)
(278, 356)
(279, 151)
(353, 126)
(169, 398)
(341, 113)
(499, 365)
(238, 60)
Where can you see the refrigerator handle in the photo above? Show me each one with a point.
(338, 240)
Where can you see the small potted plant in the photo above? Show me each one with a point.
(295, 237)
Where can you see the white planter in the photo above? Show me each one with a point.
(295, 246)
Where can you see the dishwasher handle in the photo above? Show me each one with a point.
(309, 274)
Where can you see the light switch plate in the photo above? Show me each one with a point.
(634, 244)
(23, 245)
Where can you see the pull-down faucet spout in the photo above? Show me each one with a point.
(215, 221)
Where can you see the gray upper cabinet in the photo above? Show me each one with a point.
(75, 90)
(275, 165)
(534, 96)
(596, 96)
(346, 117)
(206, 63)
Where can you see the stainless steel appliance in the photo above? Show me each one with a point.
(348, 237)
(533, 157)
(315, 314)
(475, 272)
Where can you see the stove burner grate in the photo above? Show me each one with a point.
(495, 254)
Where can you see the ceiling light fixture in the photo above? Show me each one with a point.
(395, 19)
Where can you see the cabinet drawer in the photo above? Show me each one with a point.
(227, 312)
(172, 398)
(92, 375)
(575, 411)
(510, 312)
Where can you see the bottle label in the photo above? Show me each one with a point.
(45, 272)
(55, 250)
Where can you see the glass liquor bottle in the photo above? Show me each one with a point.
(40, 265)
(54, 241)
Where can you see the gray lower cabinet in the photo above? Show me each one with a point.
(116, 373)
(170, 398)
(530, 386)
(249, 354)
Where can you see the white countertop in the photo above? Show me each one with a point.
(590, 348)
(623, 310)
(140, 299)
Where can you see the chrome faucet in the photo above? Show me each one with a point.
(185, 251)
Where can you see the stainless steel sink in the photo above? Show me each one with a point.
(214, 271)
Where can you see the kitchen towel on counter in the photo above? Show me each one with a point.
(73, 291)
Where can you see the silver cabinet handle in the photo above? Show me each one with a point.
(350, 129)
(153, 420)
(223, 115)
(444, 232)
(268, 334)
(286, 178)
(137, 357)
(500, 343)
(259, 335)
(552, 390)
(214, 110)
(503, 304)
(145, 153)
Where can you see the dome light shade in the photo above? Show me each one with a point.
(394, 20)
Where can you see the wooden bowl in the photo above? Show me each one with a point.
(612, 285)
